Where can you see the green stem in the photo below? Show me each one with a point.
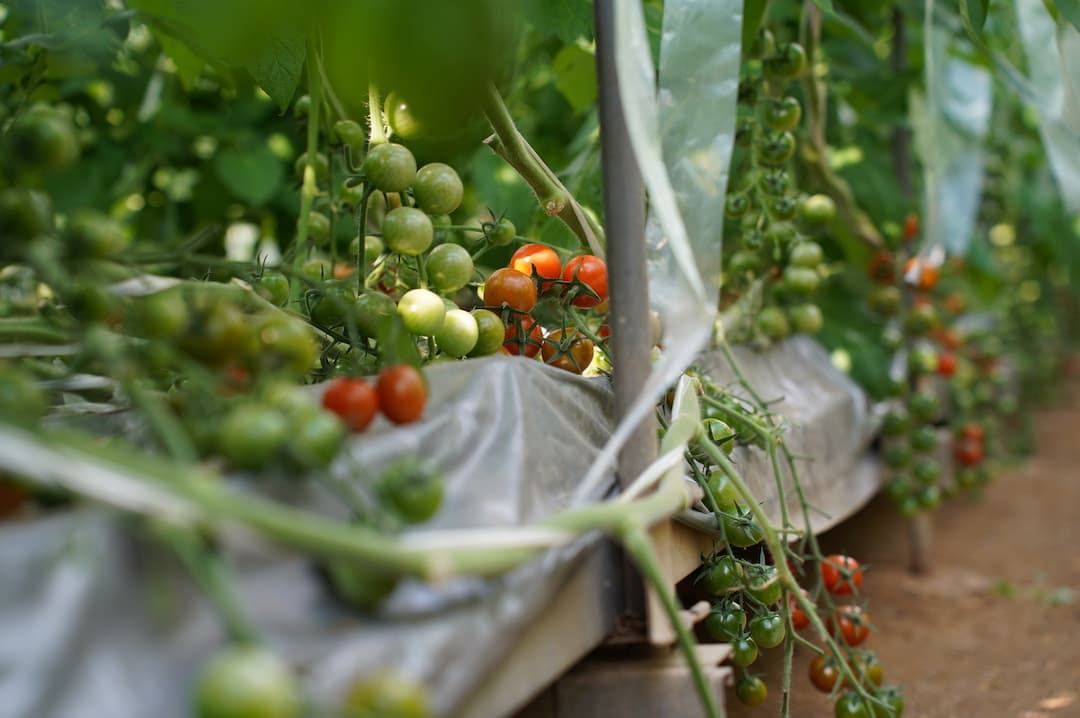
(509, 144)
(169, 430)
(638, 546)
(309, 188)
(377, 134)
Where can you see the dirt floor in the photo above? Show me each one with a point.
(994, 630)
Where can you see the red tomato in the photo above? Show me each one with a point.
(955, 304)
(402, 393)
(968, 452)
(511, 288)
(841, 574)
(926, 276)
(946, 364)
(573, 353)
(539, 257)
(911, 226)
(851, 623)
(342, 270)
(823, 674)
(524, 339)
(354, 400)
(799, 619)
(882, 267)
(592, 272)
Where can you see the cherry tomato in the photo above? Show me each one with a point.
(751, 690)
(776, 148)
(592, 272)
(458, 334)
(882, 267)
(806, 254)
(924, 438)
(567, 350)
(929, 497)
(946, 364)
(372, 312)
(321, 166)
(823, 674)
(870, 669)
(968, 452)
(523, 336)
(387, 695)
(924, 405)
(850, 705)
(768, 630)
(841, 574)
(24, 214)
(723, 491)
(246, 682)
(722, 576)
(800, 280)
(511, 288)
(315, 437)
(817, 209)
(352, 399)
(491, 332)
(851, 623)
(351, 133)
(782, 114)
(438, 189)
(799, 619)
(407, 230)
(449, 267)
(788, 62)
(402, 393)
(503, 232)
(540, 258)
(422, 311)
(911, 226)
(884, 299)
(285, 344)
(972, 431)
(726, 623)
(783, 209)
(736, 206)
(927, 471)
(274, 287)
(806, 318)
(764, 584)
(412, 489)
(894, 702)
(954, 304)
(773, 323)
(94, 234)
(390, 167)
(743, 651)
(741, 531)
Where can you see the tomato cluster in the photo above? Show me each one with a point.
(400, 393)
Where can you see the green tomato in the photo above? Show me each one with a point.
(321, 165)
(407, 230)
(315, 438)
(898, 456)
(780, 234)
(788, 62)
(743, 652)
(773, 323)
(774, 181)
(884, 299)
(449, 267)
(744, 261)
(763, 584)
(286, 344)
(894, 702)
(458, 334)
(503, 232)
(251, 436)
(726, 623)
(924, 405)
(801, 280)
(438, 189)
(412, 489)
(94, 234)
(722, 576)
(351, 133)
(162, 315)
(720, 434)
(929, 497)
(319, 227)
(723, 491)
(927, 471)
(736, 206)
(776, 148)
(373, 248)
(246, 682)
(358, 585)
(768, 630)
(24, 215)
(387, 696)
(422, 311)
(302, 106)
(782, 114)
(751, 690)
(806, 254)
(850, 705)
(782, 209)
(317, 269)
(331, 307)
(897, 422)
(89, 302)
(373, 311)
(817, 209)
(806, 318)
(274, 287)
(491, 332)
(390, 167)
(924, 439)
(741, 531)
(21, 400)
(44, 138)
(898, 489)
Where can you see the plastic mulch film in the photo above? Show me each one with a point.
(681, 123)
(950, 129)
(1053, 62)
(828, 417)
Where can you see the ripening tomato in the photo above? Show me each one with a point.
(402, 393)
(946, 365)
(955, 303)
(972, 431)
(523, 337)
(882, 267)
(841, 574)
(354, 400)
(590, 271)
(511, 288)
(911, 226)
(921, 273)
(540, 258)
(823, 674)
(567, 350)
(799, 619)
(851, 623)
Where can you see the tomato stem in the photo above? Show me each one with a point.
(309, 187)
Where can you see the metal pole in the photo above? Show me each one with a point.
(624, 218)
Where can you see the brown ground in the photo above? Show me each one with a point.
(957, 645)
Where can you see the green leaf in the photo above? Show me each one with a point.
(575, 76)
(753, 12)
(1070, 9)
(824, 5)
(973, 15)
(568, 20)
(254, 176)
(279, 65)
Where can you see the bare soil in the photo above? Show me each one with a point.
(993, 631)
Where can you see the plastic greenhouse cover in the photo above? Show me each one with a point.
(95, 621)
(1053, 60)
(681, 123)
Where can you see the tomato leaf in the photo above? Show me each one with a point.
(278, 66)
(568, 20)
(575, 76)
(253, 176)
(753, 13)
(973, 16)
(1070, 10)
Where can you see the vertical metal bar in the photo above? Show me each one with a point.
(624, 218)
